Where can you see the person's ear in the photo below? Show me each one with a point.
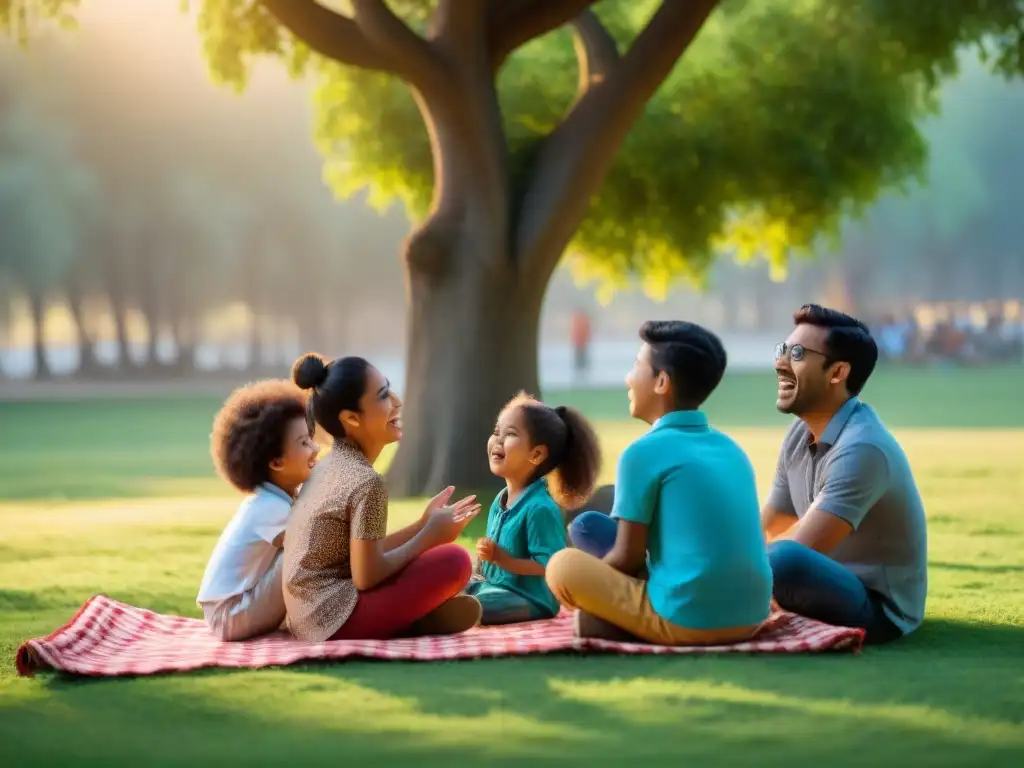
(350, 420)
(538, 455)
(662, 383)
(277, 465)
(840, 372)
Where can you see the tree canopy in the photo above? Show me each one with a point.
(788, 116)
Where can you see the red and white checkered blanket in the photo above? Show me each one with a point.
(107, 638)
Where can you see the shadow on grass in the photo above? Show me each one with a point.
(948, 694)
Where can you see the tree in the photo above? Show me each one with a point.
(788, 116)
(46, 202)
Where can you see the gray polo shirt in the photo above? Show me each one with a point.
(858, 472)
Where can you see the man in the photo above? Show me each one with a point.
(844, 518)
(685, 506)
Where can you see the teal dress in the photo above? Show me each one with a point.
(531, 529)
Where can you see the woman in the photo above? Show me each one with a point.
(344, 576)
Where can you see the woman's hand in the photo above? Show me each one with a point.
(444, 525)
(374, 561)
(436, 503)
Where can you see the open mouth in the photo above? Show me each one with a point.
(786, 385)
(497, 456)
(395, 422)
(312, 462)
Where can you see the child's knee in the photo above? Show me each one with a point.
(582, 527)
(593, 533)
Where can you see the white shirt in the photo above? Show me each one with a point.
(246, 550)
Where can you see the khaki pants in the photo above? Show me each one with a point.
(254, 612)
(583, 582)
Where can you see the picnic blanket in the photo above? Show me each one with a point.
(107, 638)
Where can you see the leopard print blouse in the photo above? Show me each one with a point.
(344, 498)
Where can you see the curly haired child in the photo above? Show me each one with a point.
(261, 444)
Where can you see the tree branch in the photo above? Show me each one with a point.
(457, 17)
(576, 156)
(596, 50)
(413, 57)
(513, 23)
(459, 28)
(328, 33)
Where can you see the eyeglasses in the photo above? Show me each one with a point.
(795, 353)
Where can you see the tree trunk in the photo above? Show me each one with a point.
(183, 328)
(88, 365)
(120, 313)
(473, 319)
(471, 346)
(37, 307)
(151, 313)
(114, 282)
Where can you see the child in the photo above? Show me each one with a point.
(261, 444)
(549, 458)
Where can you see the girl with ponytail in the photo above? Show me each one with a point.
(549, 459)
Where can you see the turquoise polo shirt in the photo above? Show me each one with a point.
(706, 555)
(531, 529)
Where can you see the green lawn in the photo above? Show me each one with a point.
(118, 497)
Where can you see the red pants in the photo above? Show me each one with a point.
(391, 607)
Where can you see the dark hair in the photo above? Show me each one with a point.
(574, 453)
(692, 356)
(250, 429)
(336, 386)
(848, 341)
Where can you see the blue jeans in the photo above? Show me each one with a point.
(502, 606)
(593, 533)
(816, 586)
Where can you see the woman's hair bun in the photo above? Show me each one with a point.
(309, 371)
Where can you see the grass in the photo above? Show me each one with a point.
(145, 447)
(117, 497)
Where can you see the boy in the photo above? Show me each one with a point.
(685, 507)
(261, 444)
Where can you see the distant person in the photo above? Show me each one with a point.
(1011, 333)
(892, 339)
(580, 337)
(681, 560)
(844, 516)
(345, 577)
(549, 459)
(262, 445)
